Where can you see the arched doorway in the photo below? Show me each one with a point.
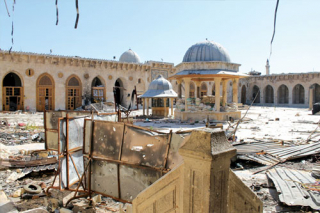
(298, 94)
(12, 92)
(229, 91)
(243, 94)
(269, 95)
(98, 90)
(316, 93)
(74, 92)
(283, 94)
(45, 93)
(203, 89)
(256, 92)
(118, 92)
(192, 90)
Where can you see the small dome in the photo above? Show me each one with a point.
(159, 88)
(129, 56)
(206, 51)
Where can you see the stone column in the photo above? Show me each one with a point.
(311, 91)
(198, 83)
(290, 96)
(165, 107)
(217, 96)
(147, 106)
(179, 88)
(187, 91)
(235, 83)
(171, 106)
(224, 92)
(144, 106)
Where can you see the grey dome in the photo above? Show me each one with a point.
(160, 88)
(129, 56)
(206, 51)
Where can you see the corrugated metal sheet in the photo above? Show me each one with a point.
(295, 152)
(288, 183)
(270, 153)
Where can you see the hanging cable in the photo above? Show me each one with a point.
(77, 6)
(5, 2)
(57, 12)
(274, 27)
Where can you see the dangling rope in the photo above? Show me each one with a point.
(274, 27)
(5, 2)
(14, 2)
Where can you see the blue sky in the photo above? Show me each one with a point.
(158, 29)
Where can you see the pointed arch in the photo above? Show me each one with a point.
(98, 90)
(256, 92)
(283, 94)
(298, 94)
(269, 94)
(12, 92)
(73, 92)
(45, 89)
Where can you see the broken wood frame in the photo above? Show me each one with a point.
(64, 152)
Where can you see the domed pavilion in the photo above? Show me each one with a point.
(207, 61)
(161, 93)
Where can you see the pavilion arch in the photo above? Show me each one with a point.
(255, 92)
(316, 93)
(120, 91)
(298, 94)
(269, 94)
(45, 90)
(12, 92)
(98, 90)
(243, 94)
(192, 89)
(283, 94)
(73, 92)
(203, 89)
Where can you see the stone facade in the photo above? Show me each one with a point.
(293, 89)
(30, 67)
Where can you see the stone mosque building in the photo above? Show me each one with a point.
(39, 82)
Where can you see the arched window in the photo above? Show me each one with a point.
(203, 89)
(74, 93)
(98, 90)
(12, 90)
(243, 94)
(45, 93)
(192, 90)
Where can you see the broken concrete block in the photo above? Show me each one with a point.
(96, 199)
(18, 193)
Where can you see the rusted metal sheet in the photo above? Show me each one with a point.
(107, 139)
(87, 136)
(134, 180)
(255, 147)
(144, 147)
(52, 119)
(75, 169)
(174, 158)
(104, 178)
(62, 135)
(28, 163)
(292, 186)
(52, 139)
